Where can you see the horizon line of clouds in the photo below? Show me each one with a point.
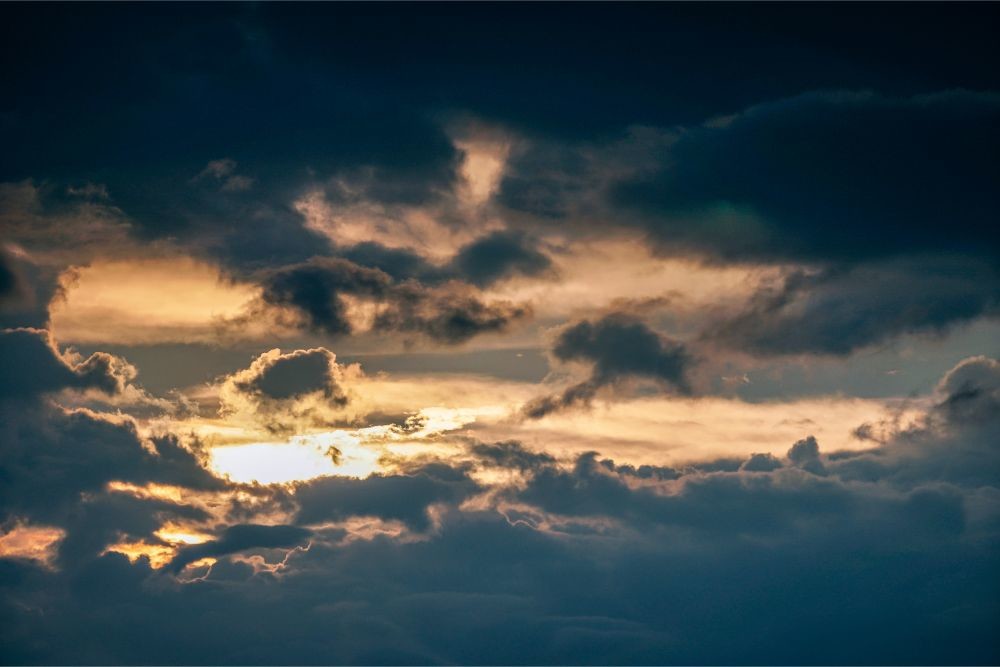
(923, 488)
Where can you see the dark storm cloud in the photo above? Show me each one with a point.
(499, 255)
(239, 538)
(200, 126)
(403, 497)
(398, 263)
(313, 288)
(805, 454)
(30, 364)
(12, 287)
(594, 562)
(618, 346)
(99, 520)
(482, 262)
(839, 310)
(831, 176)
(292, 98)
(52, 455)
(293, 374)
(891, 201)
(448, 314)
(761, 463)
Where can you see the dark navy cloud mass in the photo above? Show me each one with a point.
(807, 558)
(559, 239)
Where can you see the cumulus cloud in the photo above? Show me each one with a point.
(32, 364)
(971, 391)
(282, 376)
(500, 255)
(289, 390)
(617, 346)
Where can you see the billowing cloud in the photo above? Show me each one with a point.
(498, 255)
(282, 376)
(288, 391)
(746, 277)
(32, 365)
(618, 347)
(73, 452)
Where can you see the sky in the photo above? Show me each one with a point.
(499, 334)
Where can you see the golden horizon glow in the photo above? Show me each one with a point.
(152, 300)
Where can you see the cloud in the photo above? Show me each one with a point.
(971, 391)
(12, 287)
(239, 538)
(837, 311)
(282, 376)
(402, 497)
(805, 454)
(313, 288)
(878, 207)
(760, 463)
(586, 559)
(499, 255)
(32, 365)
(832, 176)
(74, 453)
(289, 391)
(449, 313)
(618, 346)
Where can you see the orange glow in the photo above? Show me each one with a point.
(36, 543)
(158, 554)
(148, 301)
(177, 534)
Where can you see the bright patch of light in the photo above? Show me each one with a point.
(302, 458)
(158, 554)
(176, 534)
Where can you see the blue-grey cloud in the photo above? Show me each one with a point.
(618, 346)
(447, 314)
(831, 176)
(239, 538)
(31, 364)
(595, 562)
(840, 310)
(293, 374)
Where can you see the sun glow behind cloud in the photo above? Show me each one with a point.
(301, 458)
